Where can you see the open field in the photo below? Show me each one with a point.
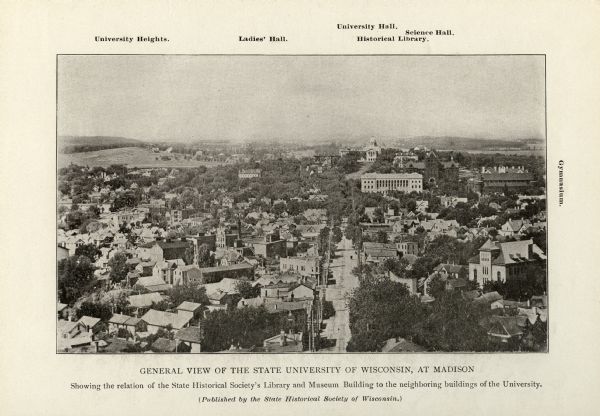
(130, 156)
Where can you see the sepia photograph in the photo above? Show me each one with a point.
(301, 204)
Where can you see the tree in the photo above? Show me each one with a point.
(246, 290)
(337, 235)
(124, 333)
(494, 286)
(278, 208)
(188, 292)
(75, 277)
(162, 305)
(452, 324)
(323, 241)
(95, 309)
(349, 163)
(380, 309)
(246, 327)
(188, 255)
(381, 237)
(89, 250)
(205, 257)
(396, 266)
(328, 309)
(436, 287)
(118, 267)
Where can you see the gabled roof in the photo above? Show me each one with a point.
(163, 345)
(277, 307)
(226, 286)
(66, 326)
(239, 266)
(488, 297)
(163, 319)
(148, 281)
(387, 252)
(450, 268)
(488, 246)
(507, 325)
(515, 225)
(189, 306)
(118, 319)
(145, 300)
(252, 302)
(401, 345)
(190, 334)
(515, 251)
(89, 321)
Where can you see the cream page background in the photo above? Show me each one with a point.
(35, 380)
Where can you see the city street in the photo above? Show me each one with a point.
(338, 326)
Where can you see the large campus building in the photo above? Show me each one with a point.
(500, 179)
(385, 182)
(498, 262)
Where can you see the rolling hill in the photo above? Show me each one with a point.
(77, 144)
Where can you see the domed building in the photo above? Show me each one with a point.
(372, 150)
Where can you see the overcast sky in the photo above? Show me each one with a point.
(300, 97)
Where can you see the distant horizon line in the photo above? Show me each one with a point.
(308, 141)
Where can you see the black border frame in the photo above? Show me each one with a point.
(299, 55)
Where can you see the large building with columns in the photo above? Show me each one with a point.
(385, 182)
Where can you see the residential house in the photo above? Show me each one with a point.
(185, 274)
(90, 324)
(156, 320)
(272, 246)
(218, 273)
(153, 284)
(139, 304)
(451, 201)
(191, 309)
(162, 345)
(219, 293)
(512, 228)
(378, 252)
(145, 268)
(165, 270)
(71, 335)
(190, 336)
(306, 265)
(408, 248)
(167, 250)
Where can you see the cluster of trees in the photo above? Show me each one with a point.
(75, 278)
(245, 327)
(80, 219)
(349, 163)
(247, 290)
(381, 309)
(323, 240)
(95, 309)
(444, 249)
(118, 267)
